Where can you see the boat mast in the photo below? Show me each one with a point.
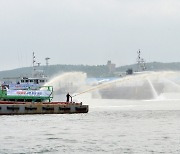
(34, 60)
(140, 62)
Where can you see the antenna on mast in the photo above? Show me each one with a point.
(34, 60)
(47, 59)
(47, 63)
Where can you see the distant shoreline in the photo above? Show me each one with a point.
(91, 71)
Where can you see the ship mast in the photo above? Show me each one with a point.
(34, 69)
(47, 61)
(140, 62)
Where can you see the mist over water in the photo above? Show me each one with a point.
(142, 86)
(68, 82)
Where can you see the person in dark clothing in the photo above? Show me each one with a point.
(68, 96)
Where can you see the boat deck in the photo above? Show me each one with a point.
(18, 108)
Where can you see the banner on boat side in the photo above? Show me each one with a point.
(41, 93)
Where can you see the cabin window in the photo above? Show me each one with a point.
(31, 80)
(26, 81)
(22, 81)
(36, 81)
(42, 81)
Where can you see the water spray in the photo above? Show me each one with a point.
(109, 84)
(137, 84)
(155, 95)
(137, 81)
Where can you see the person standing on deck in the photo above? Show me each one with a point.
(68, 96)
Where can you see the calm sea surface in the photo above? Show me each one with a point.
(111, 126)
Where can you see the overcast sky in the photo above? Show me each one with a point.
(88, 31)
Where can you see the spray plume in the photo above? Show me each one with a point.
(67, 82)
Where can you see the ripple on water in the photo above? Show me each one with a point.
(113, 131)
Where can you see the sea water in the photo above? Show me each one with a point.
(111, 126)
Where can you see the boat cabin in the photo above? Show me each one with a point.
(33, 80)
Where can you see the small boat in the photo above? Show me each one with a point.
(27, 95)
(35, 101)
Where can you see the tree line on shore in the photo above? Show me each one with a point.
(91, 71)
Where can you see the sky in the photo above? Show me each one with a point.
(88, 32)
